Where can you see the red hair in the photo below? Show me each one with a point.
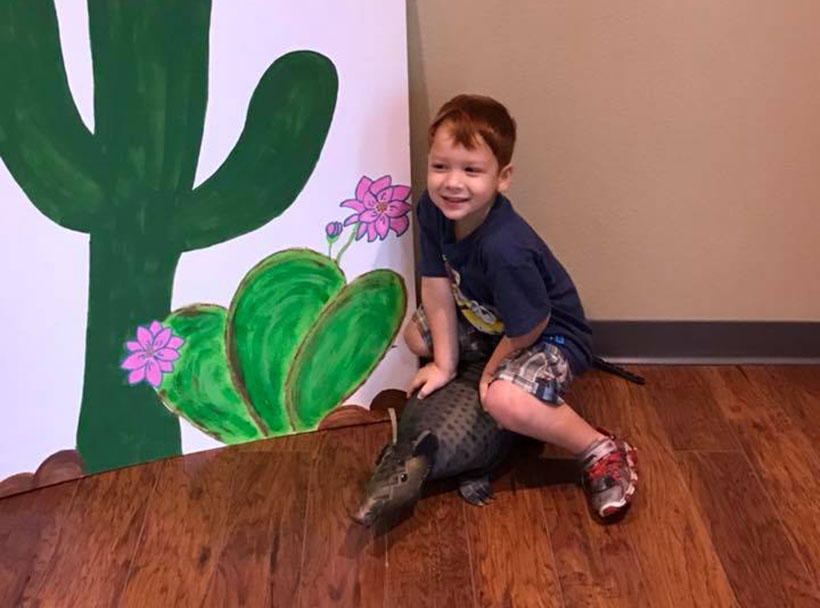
(468, 116)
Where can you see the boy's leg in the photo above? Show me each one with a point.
(526, 398)
(516, 410)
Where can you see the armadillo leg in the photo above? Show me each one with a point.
(476, 490)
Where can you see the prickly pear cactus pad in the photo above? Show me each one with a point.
(200, 387)
(274, 307)
(344, 345)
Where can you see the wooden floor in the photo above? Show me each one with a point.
(727, 514)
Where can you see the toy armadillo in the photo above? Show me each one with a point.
(446, 434)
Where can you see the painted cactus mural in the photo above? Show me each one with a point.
(296, 341)
(129, 184)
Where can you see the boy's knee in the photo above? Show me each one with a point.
(415, 342)
(514, 408)
(503, 402)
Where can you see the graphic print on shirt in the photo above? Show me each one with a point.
(483, 318)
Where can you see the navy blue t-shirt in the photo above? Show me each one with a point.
(505, 279)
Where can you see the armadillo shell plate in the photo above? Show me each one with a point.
(469, 439)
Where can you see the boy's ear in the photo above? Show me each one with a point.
(504, 178)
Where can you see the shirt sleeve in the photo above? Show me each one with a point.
(520, 296)
(430, 262)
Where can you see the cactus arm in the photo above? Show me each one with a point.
(43, 141)
(150, 61)
(288, 120)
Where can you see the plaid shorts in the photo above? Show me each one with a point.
(541, 369)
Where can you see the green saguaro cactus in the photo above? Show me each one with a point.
(129, 184)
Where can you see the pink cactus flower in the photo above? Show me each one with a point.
(152, 354)
(379, 208)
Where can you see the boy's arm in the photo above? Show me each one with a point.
(504, 348)
(439, 306)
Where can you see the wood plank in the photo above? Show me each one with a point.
(780, 453)
(30, 526)
(429, 553)
(807, 377)
(305, 443)
(761, 564)
(670, 540)
(797, 388)
(686, 407)
(259, 564)
(344, 564)
(100, 534)
(596, 564)
(510, 546)
(184, 529)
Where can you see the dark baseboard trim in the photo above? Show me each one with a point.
(707, 341)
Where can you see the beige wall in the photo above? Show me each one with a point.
(669, 152)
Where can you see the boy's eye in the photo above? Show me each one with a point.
(438, 166)
(473, 170)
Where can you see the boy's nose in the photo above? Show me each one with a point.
(451, 181)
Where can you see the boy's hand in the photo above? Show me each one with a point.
(483, 385)
(430, 378)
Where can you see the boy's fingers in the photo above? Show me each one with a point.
(430, 387)
(416, 382)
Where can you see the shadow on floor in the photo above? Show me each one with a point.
(525, 467)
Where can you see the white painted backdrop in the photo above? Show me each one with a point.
(44, 269)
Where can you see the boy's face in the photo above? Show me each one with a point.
(463, 183)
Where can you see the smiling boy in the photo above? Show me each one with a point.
(492, 289)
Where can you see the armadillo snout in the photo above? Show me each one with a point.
(366, 514)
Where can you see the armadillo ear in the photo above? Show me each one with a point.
(380, 457)
(426, 444)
